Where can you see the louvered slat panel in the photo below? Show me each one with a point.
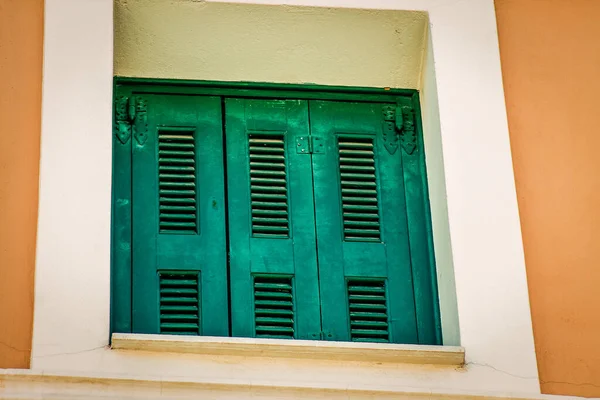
(177, 181)
(367, 302)
(273, 307)
(268, 185)
(179, 303)
(359, 189)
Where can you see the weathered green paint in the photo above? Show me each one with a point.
(203, 251)
(426, 289)
(395, 258)
(252, 254)
(263, 89)
(121, 230)
(388, 257)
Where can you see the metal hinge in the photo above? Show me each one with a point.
(131, 115)
(398, 124)
(323, 335)
(307, 144)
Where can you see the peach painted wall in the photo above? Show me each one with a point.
(551, 68)
(21, 32)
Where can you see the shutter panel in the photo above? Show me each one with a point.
(271, 221)
(179, 250)
(361, 222)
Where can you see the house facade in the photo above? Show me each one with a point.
(298, 199)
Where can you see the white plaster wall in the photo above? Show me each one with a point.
(73, 258)
(434, 158)
(245, 42)
(72, 275)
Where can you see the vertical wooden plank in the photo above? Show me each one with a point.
(419, 229)
(121, 230)
(434, 306)
(328, 219)
(145, 299)
(307, 298)
(238, 178)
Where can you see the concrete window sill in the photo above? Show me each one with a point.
(303, 349)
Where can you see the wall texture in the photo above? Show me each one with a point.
(246, 42)
(21, 32)
(551, 61)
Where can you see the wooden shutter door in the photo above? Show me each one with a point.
(274, 287)
(179, 244)
(362, 229)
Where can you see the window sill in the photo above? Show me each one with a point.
(282, 348)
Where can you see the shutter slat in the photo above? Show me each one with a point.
(266, 213)
(266, 206)
(177, 182)
(177, 146)
(267, 189)
(178, 282)
(267, 174)
(171, 192)
(267, 165)
(273, 307)
(267, 221)
(177, 200)
(171, 160)
(166, 317)
(168, 308)
(367, 309)
(176, 177)
(179, 302)
(268, 185)
(177, 208)
(177, 216)
(177, 152)
(357, 169)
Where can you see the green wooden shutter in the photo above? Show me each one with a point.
(274, 287)
(179, 243)
(362, 228)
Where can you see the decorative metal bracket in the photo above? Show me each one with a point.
(122, 119)
(140, 126)
(399, 120)
(409, 136)
(390, 134)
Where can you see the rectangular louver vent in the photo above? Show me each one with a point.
(367, 302)
(268, 185)
(359, 189)
(273, 307)
(177, 181)
(179, 303)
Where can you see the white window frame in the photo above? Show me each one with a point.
(477, 237)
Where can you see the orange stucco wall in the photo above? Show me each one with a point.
(550, 51)
(21, 30)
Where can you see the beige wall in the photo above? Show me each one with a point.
(245, 42)
(21, 31)
(551, 67)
